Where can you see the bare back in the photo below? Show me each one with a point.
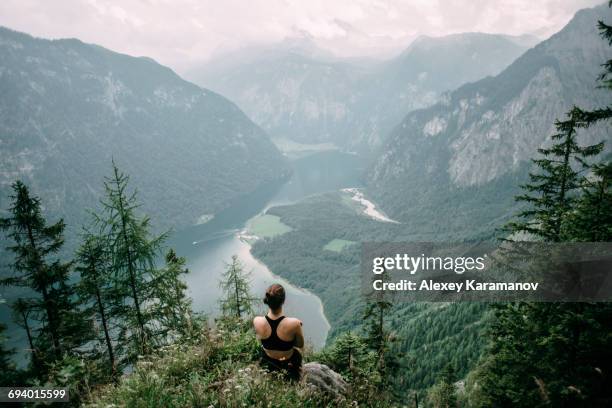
(289, 329)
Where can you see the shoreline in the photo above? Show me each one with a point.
(285, 281)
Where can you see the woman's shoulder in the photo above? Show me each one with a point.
(258, 321)
(293, 321)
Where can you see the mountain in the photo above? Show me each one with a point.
(68, 108)
(418, 76)
(298, 92)
(293, 91)
(454, 167)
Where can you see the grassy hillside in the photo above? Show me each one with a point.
(217, 368)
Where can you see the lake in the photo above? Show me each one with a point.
(208, 247)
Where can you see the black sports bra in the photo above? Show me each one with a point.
(273, 342)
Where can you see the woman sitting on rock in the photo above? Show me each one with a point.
(281, 337)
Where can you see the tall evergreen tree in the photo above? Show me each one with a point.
(348, 353)
(95, 292)
(551, 192)
(133, 251)
(21, 312)
(58, 326)
(377, 337)
(591, 220)
(547, 354)
(174, 306)
(444, 393)
(237, 300)
(8, 371)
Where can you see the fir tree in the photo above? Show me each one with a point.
(547, 354)
(21, 311)
(95, 291)
(377, 337)
(236, 300)
(444, 393)
(551, 192)
(348, 354)
(8, 372)
(132, 252)
(591, 220)
(59, 326)
(174, 306)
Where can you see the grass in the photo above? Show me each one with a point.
(268, 226)
(338, 245)
(218, 369)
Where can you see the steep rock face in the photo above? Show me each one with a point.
(470, 150)
(310, 97)
(67, 108)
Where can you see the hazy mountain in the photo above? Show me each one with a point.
(456, 162)
(299, 92)
(428, 67)
(67, 108)
(293, 91)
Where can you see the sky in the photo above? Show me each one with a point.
(185, 33)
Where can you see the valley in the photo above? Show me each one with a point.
(208, 247)
(290, 158)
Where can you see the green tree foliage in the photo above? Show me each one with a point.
(93, 265)
(55, 325)
(174, 306)
(556, 354)
(444, 393)
(591, 220)
(236, 300)
(132, 250)
(551, 193)
(379, 339)
(348, 353)
(8, 372)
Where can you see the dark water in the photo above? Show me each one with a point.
(209, 246)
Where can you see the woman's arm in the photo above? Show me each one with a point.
(299, 335)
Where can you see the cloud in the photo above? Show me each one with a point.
(181, 33)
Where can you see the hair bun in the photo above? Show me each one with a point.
(275, 296)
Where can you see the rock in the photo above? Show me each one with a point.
(324, 379)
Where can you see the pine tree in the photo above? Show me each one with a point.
(21, 312)
(174, 306)
(8, 371)
(95, 291)
(377, 338)
(444, 393)
(348, 353)
(551, 192)
(546, 353)
(236, 300)
(591, 220)
(58, 326)
(132, 251)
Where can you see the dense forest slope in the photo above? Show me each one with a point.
(67, 108)
(455, 166)
(298, 92)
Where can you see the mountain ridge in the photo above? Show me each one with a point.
(484, 133)
(351, 103)
(68, 107)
